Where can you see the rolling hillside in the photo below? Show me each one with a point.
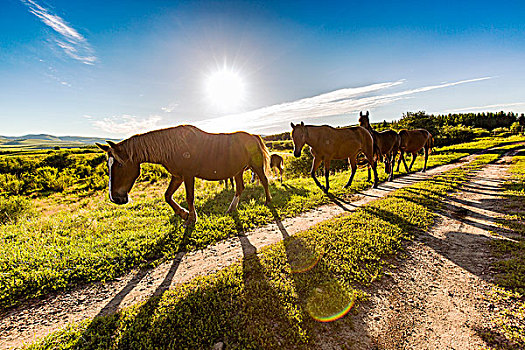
(45, 141)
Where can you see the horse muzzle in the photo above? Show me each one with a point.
(297, 153)
(119, 200)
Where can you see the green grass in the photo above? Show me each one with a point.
(276, 298)
(102, 241)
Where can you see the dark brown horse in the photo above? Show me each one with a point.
(327, 143)
(276, 162)
(187, 152)
(412, 141)
(387, 142)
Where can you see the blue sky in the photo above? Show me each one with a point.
(115, 68)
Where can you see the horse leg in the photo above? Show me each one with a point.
(281, 172)
(315, 165)
(189, 184)
(392, 163)
(404, 163)
(327, 174)
(239, 187)
(401, 155)
(414, 155)
(426, 157)
(264, 183)
(353, 165)
(175, 183)
(373, 164)
(369, 176)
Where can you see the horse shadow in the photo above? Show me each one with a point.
(108, 317)
(270, 324)
(310, 278)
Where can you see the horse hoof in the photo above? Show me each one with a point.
(375, 185)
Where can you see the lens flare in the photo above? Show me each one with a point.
(329, 302)
(301, 257)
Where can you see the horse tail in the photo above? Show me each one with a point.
(265, 154)
(377, 149)
(430, 143)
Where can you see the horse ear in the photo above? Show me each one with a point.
(302, 123)
(360, 113)
(111, 143)
(105, 148)
(367, 113)
(293, 125)
(119, 155)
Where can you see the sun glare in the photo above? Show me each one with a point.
(225, 89)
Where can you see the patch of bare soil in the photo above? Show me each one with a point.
(36, 318)
(437, 298)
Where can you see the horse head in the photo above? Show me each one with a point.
(122, 172)
(363, 120)
(299, 134)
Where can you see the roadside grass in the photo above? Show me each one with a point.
(100, 241)
(281, 296)
(509, 296)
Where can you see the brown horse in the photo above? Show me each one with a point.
(186, 152)
(276, 162)
(412, 141)
(327, 143)
(388, 143)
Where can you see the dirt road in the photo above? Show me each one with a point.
(437, 298)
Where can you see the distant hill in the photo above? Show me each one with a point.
(45, 141)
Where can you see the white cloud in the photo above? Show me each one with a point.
(487, 108)
(170, 108)
(335, 103)
(72, 42)
(127, 124)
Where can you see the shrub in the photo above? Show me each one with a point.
(286, 145)
(515, 128)
(11, 184)
(59, 160)
(13, 208)
(299, 166)
(47, 179)
(152, 173)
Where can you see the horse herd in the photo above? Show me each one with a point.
(188, 153)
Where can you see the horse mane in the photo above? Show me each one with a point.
(155, 146)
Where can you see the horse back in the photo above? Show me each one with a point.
(414, 140)
(388, 141)
(214, 156)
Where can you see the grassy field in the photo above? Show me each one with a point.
(276, 298)
(78, 238)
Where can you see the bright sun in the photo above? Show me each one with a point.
(225, 89)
